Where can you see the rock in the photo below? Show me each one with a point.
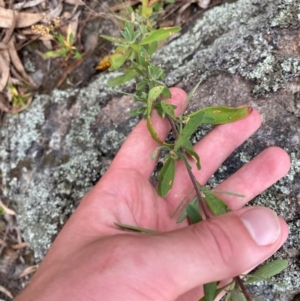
(247, 52)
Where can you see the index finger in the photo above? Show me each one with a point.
(137, 149)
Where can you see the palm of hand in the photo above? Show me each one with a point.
(105, 255)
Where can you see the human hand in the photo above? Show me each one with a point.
(92, 259)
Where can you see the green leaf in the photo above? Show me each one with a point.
(268, 270)
(50, 54)
(216, 205)
(166, 93)
(189, 129)
(210, 290)
(122, 79)
(141, 85)
(113, 39)
(70, 37)
(229, 193)
(221, 114)
(154, 93)
(168, 109)
(136, 48)
(237, 295)
(159, 35)
(152, 96)
(257, 279)
(135, 228)
(138, 111)
(61, 40)
(183, 214)
(152, 48)
(188, 147)
(118, 58)
(77, 55)
(193, 213)
(166, 177)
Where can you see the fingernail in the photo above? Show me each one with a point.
(262, 224)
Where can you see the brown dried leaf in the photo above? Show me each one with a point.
(4, 104)
(73, 25)
(19, 246)
(17, 62)
(23, 19)
(4, 68)
(203, 3)
(6, 292)
(28, 270)
(74, 2)
(25, 4)
(56, 11)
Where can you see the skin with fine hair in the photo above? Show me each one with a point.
(92, 259)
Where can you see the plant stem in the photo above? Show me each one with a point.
(173, 126)
(205, 213)
(240, 283)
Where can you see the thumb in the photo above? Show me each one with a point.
(216, 249)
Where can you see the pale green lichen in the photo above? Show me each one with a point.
(229, 38)
(238, 44)
(288, 14)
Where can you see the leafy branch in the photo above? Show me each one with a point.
(134, 49)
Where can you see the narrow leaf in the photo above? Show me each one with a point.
(152, 48)
(152, 96)
(138, 111)
(221, 115)
(136, 48)
(122, 79)
(228, 193)
(237, 295)
(189, 129)
(183, 214)
(166, 92)
(159, 35)
(153, 132)
(118, 58)
(253, 279)
(210, 291)
(155, 92)
(113, 39)
(166, 177)
(136, 228)
(269, 269)
(188, 147)
(193, 213)
(216, 205)
(168, 109)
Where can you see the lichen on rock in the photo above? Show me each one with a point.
(247, 51)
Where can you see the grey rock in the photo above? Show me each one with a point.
(247, 52)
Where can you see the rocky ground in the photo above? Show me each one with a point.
(247, 52)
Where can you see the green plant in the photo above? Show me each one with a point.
(18, 100)
(66, 48)
(133, 52)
